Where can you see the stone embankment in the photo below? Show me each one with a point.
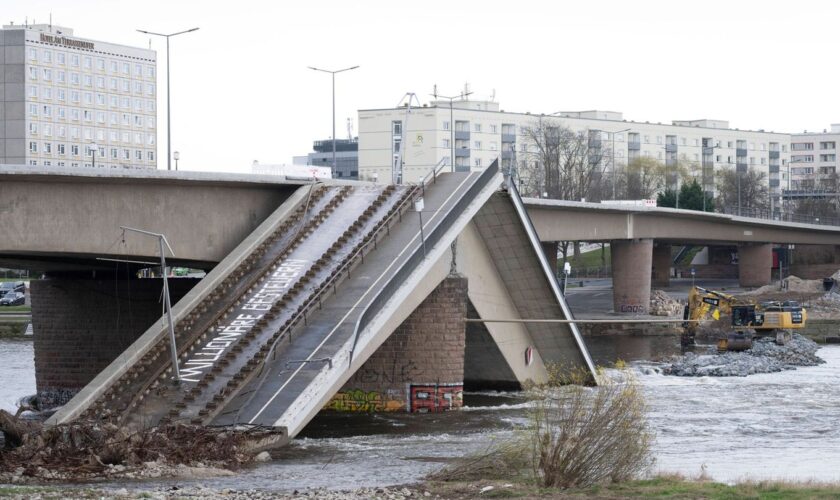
(764, 357)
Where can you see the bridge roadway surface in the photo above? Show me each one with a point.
(269, 399)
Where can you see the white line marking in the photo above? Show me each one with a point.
(353, 307)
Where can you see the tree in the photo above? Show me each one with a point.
(750, 187)
(691, 198)
(562, 164)
(641, 179)
(825, 206)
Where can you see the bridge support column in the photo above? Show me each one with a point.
(82, 325)
(754, 264)
(420, 367)
(631, 264)
(661, 265)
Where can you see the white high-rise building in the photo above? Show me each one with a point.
(75, 102)
(475, 133)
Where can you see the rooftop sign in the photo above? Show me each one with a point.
(67, 42)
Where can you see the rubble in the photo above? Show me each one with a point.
(661, 304)
(95, 450)
(764, 357)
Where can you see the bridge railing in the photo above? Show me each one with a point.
(758, 213)
(417, 256)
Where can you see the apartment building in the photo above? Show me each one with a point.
(475, 133)
(813, 161)
(76, 102)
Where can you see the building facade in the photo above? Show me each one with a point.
(74, 102)
(814, 160)
(475, 133)
(346, 157)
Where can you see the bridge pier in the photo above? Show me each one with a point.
(755, 263)
(661, 274)
(550, 249)
(631, 273)
(83, 323)
(420, 367)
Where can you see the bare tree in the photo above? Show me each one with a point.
(642, 178)
(563, 164)
(750, 187)
(824, 202)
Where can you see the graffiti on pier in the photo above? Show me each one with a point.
(428, 398)
(358, 400)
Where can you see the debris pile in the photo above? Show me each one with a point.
(764, 357)
(661, 304)
(93, 450)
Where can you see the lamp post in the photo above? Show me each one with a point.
(703, 169)
(451, 126)
(176, 155)
(613, 158)
(168, 100)
(334, 164)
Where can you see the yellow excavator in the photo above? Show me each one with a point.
(766, 319)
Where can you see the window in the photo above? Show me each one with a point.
(114, 66)
(150, 122)
(827, 145)
(47, 56)
(462, 126)
(446, 143)
(446, 125)
(33, 128)
(33, 110)
(125, 154)
(100, 82)
(88, 81)
(87, 115)
(114, 101)
(33, 54)
(47, 111)
(74, 60)
(647, 139)
(47, 93)
(138, 105)
(138, 70)
(88, 98)
(150, 89)
(150, 139)
(150, 106)
(61, 94)
(74, 114)
(100, 64)
(75, 95)
(112, 136)
(477, 127)
(138, 87)
(62, 131)
(494, 129)
(74, 78)
(764, 161)
(33, 73)
(124, 85)
(100, 117)
(752, 160)
(74, 132)
(138, 138)
(112, 84)
(138, 155)
(828, 157)
(125, 68)
(114, 119)
(508, 129)
(114, 153)
(717, 158)
(87, 63)
(62, 113)
(88, 134)
(802, 146)
(32, 91)
(48, 148)
(477, 144)
(33, 147)
(396, 128)
(478, 162)
(494, 146)
(150, 155)
(682, 140)
(100, 99)
(61, 76)
(150, 71)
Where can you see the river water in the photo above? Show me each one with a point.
(774, 426)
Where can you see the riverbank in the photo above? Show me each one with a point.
(664, 487)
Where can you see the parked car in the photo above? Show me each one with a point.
(12, 286)
(13, 299)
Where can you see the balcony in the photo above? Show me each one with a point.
(507, 155)
(774, 155)
(508, 137)
(774, 169)
(634, 145)
(670, 148)
(738, 152)
(462, 152)
(462, 135)
(595, 143)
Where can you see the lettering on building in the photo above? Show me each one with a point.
(67, 42)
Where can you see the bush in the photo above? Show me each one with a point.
(578, 436)
(583, 436)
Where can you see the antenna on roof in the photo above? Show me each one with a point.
(434, 91)
(50, 21)
(466, 91)
(493, 95)
(349, 129)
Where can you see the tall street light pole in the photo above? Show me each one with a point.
(332, 73)
(613, 158)
(168, 94)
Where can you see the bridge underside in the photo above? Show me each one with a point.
(336, 302)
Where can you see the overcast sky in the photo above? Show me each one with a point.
(241, 90)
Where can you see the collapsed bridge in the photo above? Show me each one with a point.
(344, 290)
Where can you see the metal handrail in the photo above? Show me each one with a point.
(758, 213)
(418, 255)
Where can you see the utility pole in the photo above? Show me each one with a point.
(332, 73)
(451, 125)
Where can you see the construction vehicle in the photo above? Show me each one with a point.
(749, 319)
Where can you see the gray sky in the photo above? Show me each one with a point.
(241, 90)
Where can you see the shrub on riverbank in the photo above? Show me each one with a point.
(578, 436)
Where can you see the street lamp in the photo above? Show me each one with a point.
(711, 150)
(176, 156)
(451, 127)
(168, 107)
(334, 164)
(613, 158)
